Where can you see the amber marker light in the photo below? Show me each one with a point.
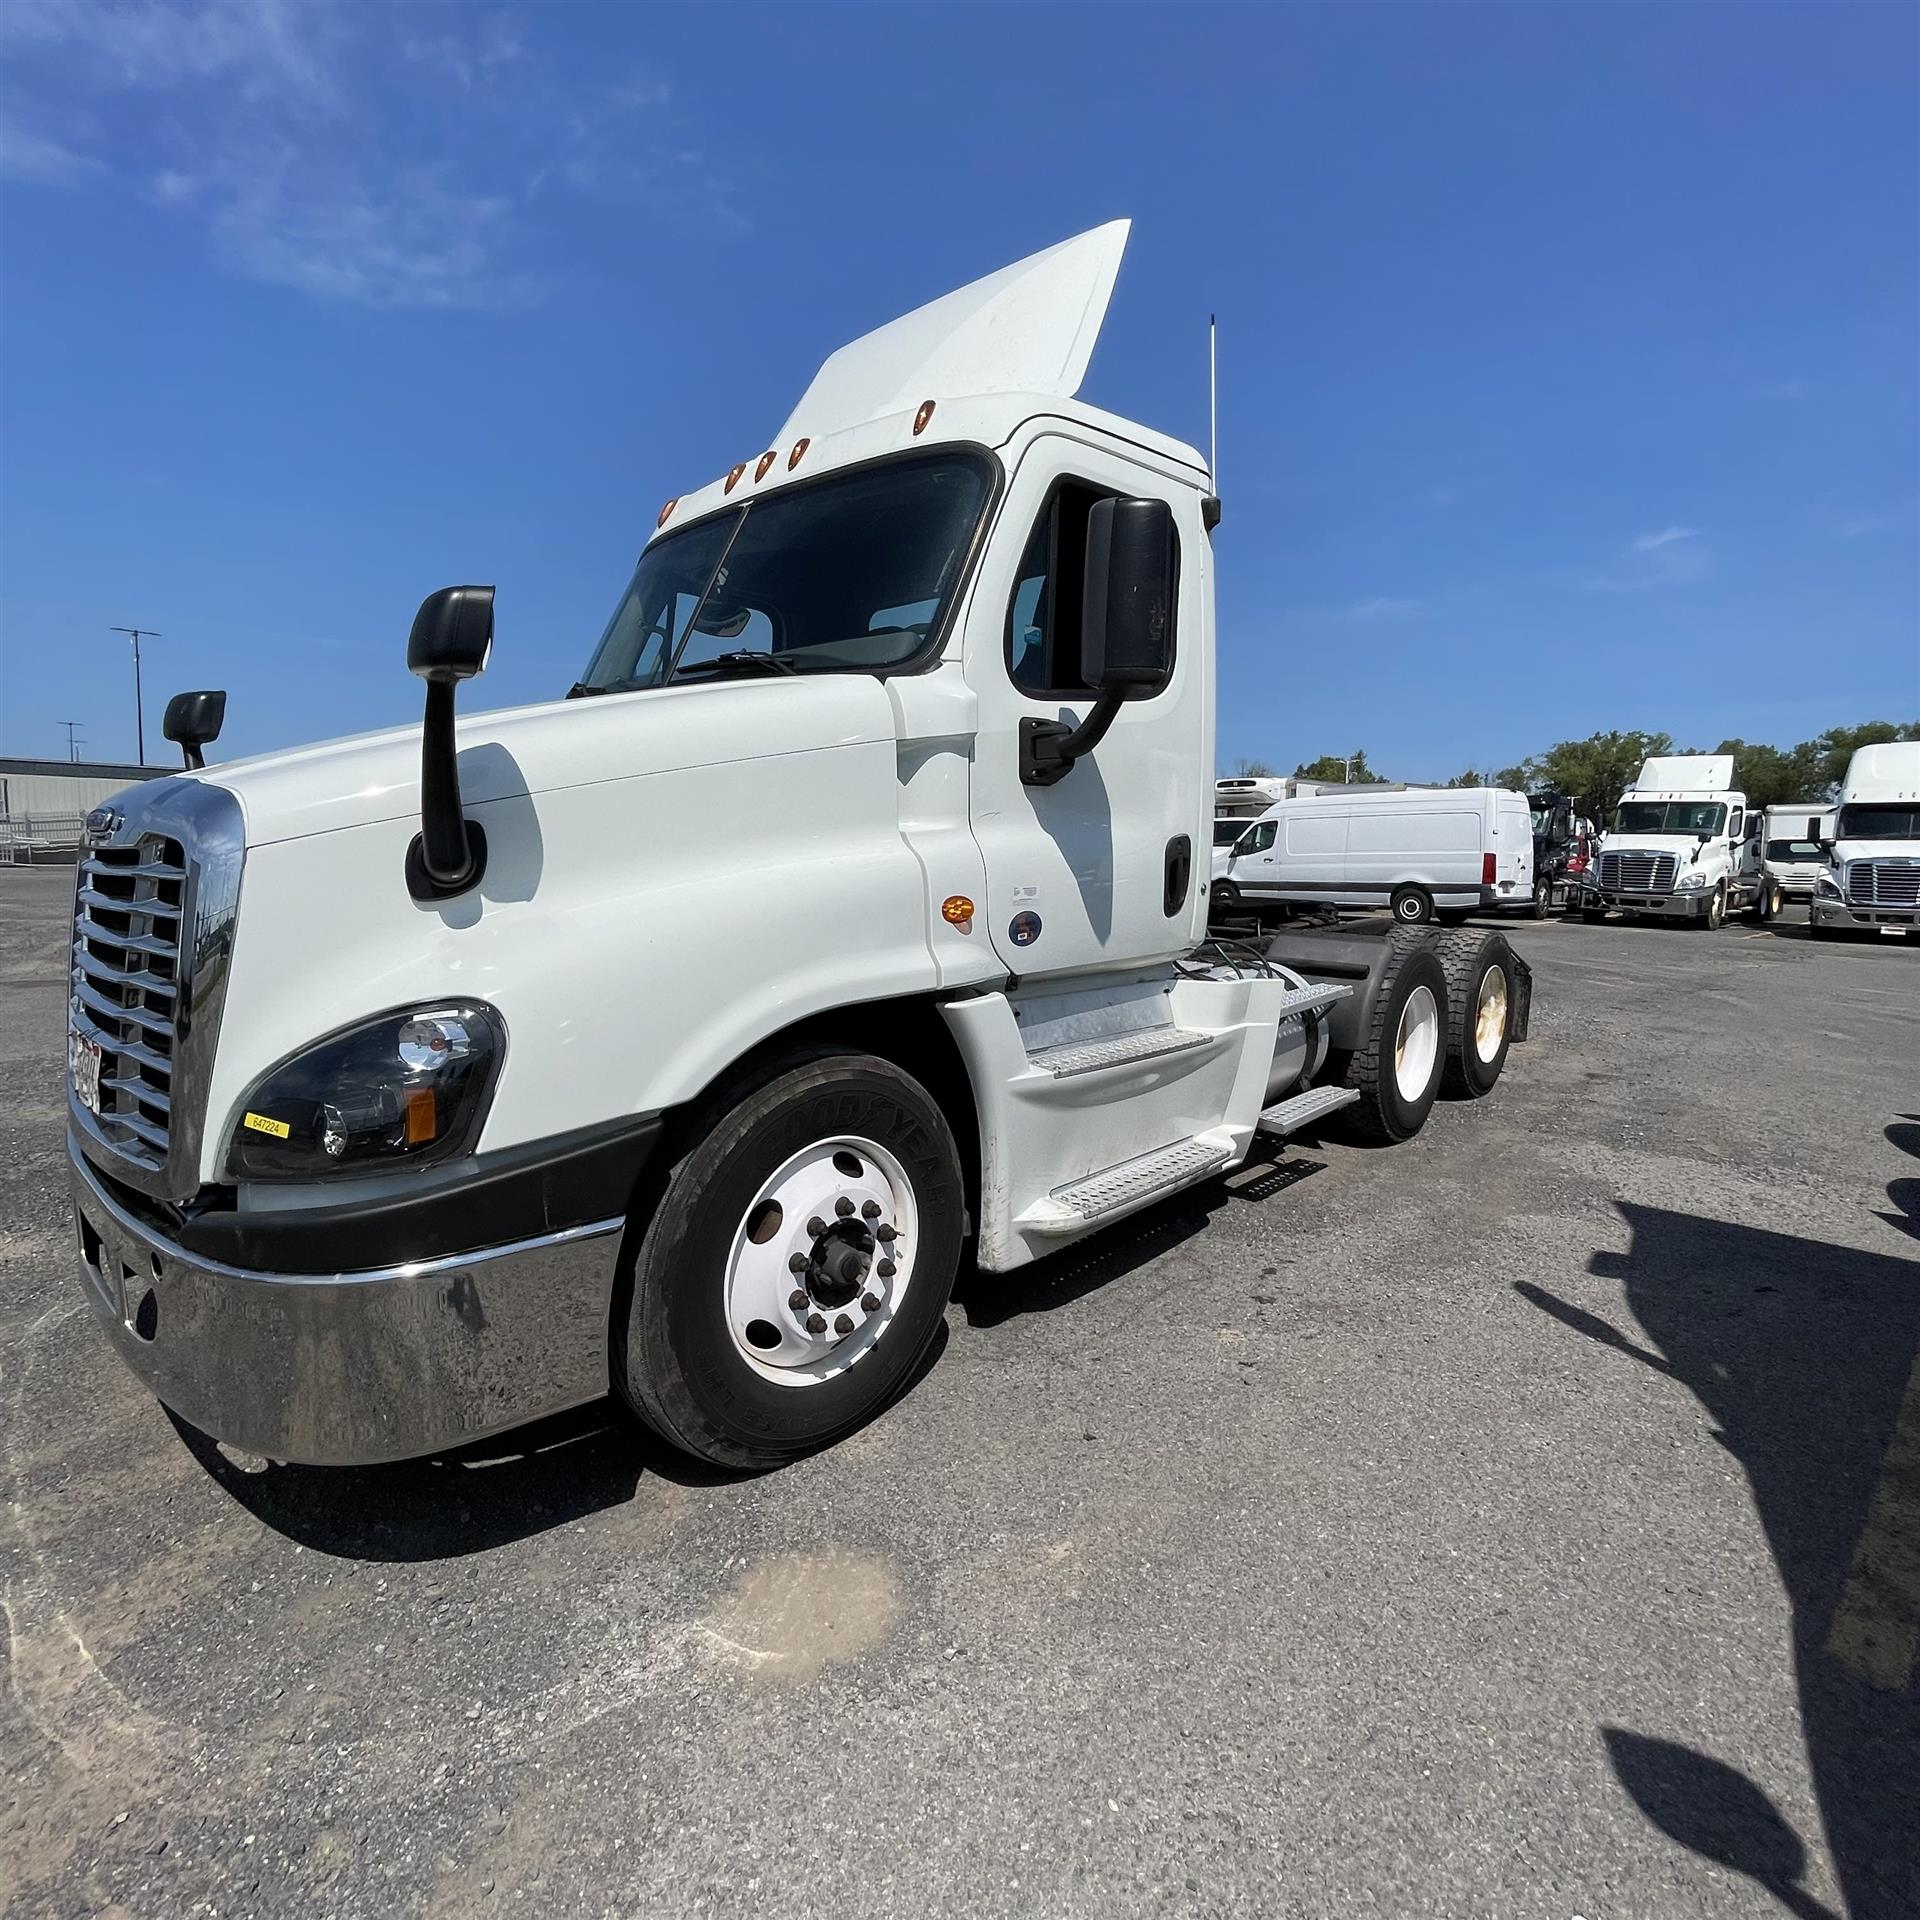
(733, 479)
(666, 512)
(798, 454)
(422, 1123)
(763, 463)
(921, 418)
(956, 910)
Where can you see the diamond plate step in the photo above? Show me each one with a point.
(1310, 999)
(1289, 1116)
(1134, 1180)
(1116, 1050)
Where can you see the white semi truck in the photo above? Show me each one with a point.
(1792, 847)
(427, 1082)
(1683, 845)
(1872, 878)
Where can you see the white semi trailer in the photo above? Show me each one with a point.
(430, 1081)
(1872, 878)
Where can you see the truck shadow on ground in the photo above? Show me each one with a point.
(1805, 1355)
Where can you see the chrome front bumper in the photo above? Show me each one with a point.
(352, 1368)
(1826, 911)
(1680, 906)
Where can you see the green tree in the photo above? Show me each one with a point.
(1245, 769)
(1336, 767)
(1764, 774)
(1467, 779)
(1595, 771)
(1829, 754)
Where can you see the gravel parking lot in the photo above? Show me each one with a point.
(1523, 1521)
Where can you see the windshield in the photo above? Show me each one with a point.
(847, 575)
(1879, 822)
(1670, 816)
(1226, 832)
(1794, 850)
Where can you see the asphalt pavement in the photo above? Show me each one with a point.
(1522, 1521)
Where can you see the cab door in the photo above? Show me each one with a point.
(1105, 867)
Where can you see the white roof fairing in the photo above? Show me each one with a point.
(1030, 328)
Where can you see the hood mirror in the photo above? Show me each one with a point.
(451, 639)
(193, 721)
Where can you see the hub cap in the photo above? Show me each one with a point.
(1416, 1043)
(820, 1261)
(1490, 1014)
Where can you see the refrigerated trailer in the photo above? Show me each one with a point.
(675, 1037)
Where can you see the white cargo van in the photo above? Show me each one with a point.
(1421, 850)
(1791, 854)
(1872, 879)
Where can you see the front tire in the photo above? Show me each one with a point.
(1542, 898)
(746, 1338)
(1412, 906)
(1715, 916)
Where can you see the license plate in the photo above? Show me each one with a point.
(83, 1058)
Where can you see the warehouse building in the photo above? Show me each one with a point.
(43, 804)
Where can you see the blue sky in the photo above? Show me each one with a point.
(1568, 354)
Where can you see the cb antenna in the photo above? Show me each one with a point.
(1213, 400)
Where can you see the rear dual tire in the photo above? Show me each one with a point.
(1397, 1070)
(1481, 996)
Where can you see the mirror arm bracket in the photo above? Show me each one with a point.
(1048, 748)
(449, 854)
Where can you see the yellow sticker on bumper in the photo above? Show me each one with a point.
(261, 1124)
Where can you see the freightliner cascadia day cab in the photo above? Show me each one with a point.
(431, 1081)
(1683, 845)
(1871, 882)
(1418, 850)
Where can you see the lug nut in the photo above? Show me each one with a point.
(843, 1206)
(842, 1325)
(869, 1303)
(885, 1233)
(871, 1211)
(816, 1323)
(798, 1263)
(816, 1226)
(885, 1269)
(798, 1298)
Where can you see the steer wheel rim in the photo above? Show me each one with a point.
(1416, 1043)
(776, 1258)
(1490, 1015)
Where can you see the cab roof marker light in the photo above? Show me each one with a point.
(799, 452)
(921, 418)
(733, 477)
(763, 463)
(666, 512)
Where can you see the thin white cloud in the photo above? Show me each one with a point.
(40, 160)
(1666, 537)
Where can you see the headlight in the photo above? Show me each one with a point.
(411, 1086)
(1690, 883)
(1826, 883)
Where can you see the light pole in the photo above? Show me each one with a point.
(136, 634)
(73, 751)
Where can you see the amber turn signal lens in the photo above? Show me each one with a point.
(956, 909)
(422, 1122)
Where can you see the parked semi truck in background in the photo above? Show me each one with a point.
(1792, 850)
(1683, 844)
(1871, 881)
(430, 1081)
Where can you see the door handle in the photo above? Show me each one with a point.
(1179, 871)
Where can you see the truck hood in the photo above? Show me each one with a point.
(518, 751)
(1683, 846)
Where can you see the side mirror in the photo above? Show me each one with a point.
(1126, 629)
(193, 721)
(451, 639)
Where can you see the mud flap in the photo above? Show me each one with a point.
(1522, 997)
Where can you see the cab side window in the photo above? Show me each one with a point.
(1043, 622)
(1259, 839)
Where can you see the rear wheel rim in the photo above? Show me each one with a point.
(1490, 1015)
(782, 1277)
(1416, 1044)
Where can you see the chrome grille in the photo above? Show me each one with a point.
(126, 985)
(154, 904)
(1883, 883)
(1637, 872)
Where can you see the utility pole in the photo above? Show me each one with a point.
(136, 635)
(73, 751)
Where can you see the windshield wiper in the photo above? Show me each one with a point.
(580, 690)
(747, 659)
